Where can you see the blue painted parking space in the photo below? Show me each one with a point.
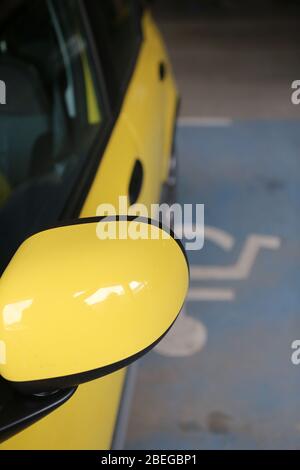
(232, 384)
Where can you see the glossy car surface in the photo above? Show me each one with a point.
(91, 104)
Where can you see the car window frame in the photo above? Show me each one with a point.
(116, 95)
(83, 183)
(80, 186)
(78, 196)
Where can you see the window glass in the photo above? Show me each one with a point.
(117, 32)
(51, 116)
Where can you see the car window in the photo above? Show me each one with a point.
(52, 115)
(117, 31)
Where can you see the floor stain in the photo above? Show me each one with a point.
(219, 422)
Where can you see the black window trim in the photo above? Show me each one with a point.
(82, 185)
(134, 58)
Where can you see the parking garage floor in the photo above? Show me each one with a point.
(223, 378)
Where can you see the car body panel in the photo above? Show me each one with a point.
(143, 129)
(105, 300)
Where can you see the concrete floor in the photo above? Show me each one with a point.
(237, 67)
(223, 378)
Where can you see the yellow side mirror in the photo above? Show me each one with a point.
(74, 307)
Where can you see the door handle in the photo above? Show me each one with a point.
(136, 182)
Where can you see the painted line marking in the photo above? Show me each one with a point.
(195, 121)
(187, 337)
(210, 294)
(244, 265)
(221, 238)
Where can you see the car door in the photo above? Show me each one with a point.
(74, 102)
(136, 65)
(151, 107)
(151, 118)
(52, 171)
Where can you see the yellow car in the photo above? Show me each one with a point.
(88, 115)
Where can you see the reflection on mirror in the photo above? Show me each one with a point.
(75, 307)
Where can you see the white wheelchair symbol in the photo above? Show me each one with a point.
(189, 335)
(240, 270)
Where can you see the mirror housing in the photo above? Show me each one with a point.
(75, 307)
